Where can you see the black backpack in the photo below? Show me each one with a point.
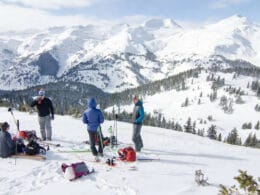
(34, 148)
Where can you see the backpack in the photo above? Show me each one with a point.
(20, 147)
(127, 154)
(34, 148)
(27, 135)
(75, 170)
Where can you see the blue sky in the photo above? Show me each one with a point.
(55, 12)
(190, 10)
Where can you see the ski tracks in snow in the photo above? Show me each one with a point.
(32, 180)
(122, 188)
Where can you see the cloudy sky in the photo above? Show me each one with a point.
(23, 14)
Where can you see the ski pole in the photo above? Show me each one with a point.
(116, 129)
(15, 121)
(17, 125)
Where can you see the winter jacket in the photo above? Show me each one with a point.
(93, 117)
(138, 113)
(7, 145)
(44, 107)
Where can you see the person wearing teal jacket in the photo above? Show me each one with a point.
(137, 119)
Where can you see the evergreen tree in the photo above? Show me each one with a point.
(257, 126)
(183, 85)
(219, 137)
(249, 125)
(188, 126)
(212, 133)
(233, 137)
(194, 127)
(248, 140)
(258, 92)
(253, 141)
(186, 103)
(223, 101)
(245, 126)
(257, 108)
(210, 118)
(239, 100)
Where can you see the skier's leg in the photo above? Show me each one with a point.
(140, 139)
(42, 127)
(48, 127)
(92, 137)
(137, 137)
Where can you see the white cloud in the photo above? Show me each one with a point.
(50, 4)
(20, 18)
(219, 4)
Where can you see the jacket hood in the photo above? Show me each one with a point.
(139, 103)
(92, 103)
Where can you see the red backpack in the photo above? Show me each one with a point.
(127, 154)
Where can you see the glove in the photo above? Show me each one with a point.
(36, 98)
(14, 138)
(52, 117)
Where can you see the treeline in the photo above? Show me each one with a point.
(68, 98)
(71, 97)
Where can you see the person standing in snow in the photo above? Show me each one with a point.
(45, 114)
(7, 145)
(93, 117)
(137, 118)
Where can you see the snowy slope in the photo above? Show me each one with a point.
(107, 55)
(180, 155)
(169, 104)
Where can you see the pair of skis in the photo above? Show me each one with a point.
(26, 156)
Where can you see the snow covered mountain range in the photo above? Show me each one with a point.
(117, 57)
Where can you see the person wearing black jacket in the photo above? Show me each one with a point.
(45, 113)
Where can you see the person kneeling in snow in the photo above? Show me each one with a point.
(7, 145)
(93, 117)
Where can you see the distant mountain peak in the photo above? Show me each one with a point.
(236, 20)
(157, 23)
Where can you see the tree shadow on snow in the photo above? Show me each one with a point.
(200, 155)
(174, 162)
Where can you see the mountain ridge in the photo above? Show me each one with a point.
(122, 56)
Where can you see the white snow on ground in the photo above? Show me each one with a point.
(180, 156)
(168, 103)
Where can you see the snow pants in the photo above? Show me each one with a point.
(45, 127)
(137, 139)
(93, 136)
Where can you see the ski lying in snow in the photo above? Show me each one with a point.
(26, 156)
(74, 151)
(132, 168)
(148, 159)
(44, 143)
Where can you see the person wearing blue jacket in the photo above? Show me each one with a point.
(93, 117)
(137, 119)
